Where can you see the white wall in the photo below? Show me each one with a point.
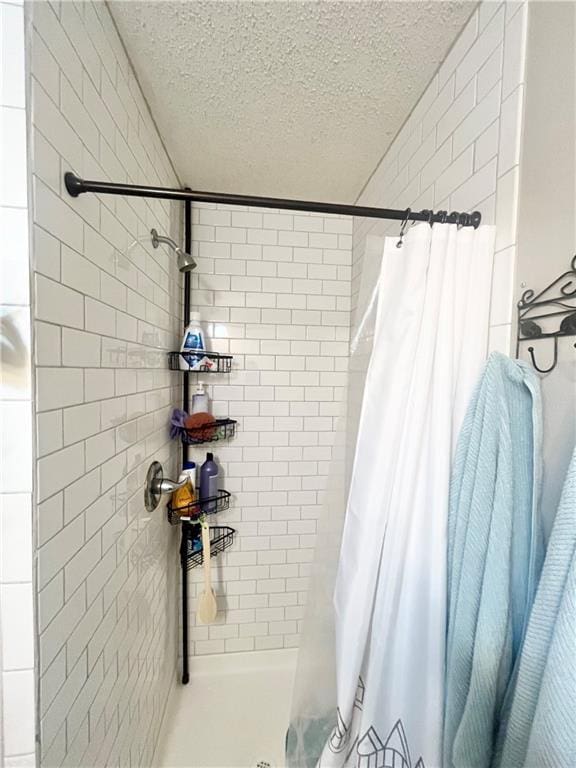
(106, 308)
(459, 150)
(17, 710)
(547, 217)
(274, 290)
(547, 210)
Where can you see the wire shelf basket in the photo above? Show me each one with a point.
(192, 512)
(221, 537)
(200, 362)
(219, 429)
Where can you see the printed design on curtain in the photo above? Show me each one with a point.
(359, 698)
(369, 750)
(339, 737)
(341, 734)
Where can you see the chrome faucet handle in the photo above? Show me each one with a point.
(157, 485)
(169, 486)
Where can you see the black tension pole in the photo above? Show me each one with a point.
(186, 535)
(77, 186)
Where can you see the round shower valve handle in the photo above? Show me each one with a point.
(157, 486)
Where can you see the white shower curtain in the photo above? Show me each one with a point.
(390, 598)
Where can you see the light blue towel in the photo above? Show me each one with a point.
(494, 555)
(540, 728)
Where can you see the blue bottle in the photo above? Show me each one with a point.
(193, 340)
(193, 344)
(209, 484)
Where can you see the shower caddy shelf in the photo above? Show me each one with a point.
(192, 513)
(221, 537)
(189, 518)
(210, 432)
(217, 363)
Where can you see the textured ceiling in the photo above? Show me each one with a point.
(289, 99)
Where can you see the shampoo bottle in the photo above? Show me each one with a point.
(189, 470)
(209, 484)
(183, 497)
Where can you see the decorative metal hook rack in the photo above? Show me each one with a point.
(557, 300)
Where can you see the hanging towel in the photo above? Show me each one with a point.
(494, 554)
(540, 728)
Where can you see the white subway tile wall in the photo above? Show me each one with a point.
(459, 150)
(17, 686)
(273, 290)
(107, 308)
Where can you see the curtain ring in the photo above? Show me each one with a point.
(403, 227)
(430, 214)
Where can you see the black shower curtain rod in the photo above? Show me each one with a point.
(77, 186)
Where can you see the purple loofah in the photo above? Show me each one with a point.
(177, 420)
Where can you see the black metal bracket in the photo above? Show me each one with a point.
(557, 300)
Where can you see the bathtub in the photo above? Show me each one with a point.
(233, 713)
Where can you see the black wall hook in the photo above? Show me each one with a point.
(554, 361)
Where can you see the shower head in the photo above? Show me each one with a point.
(186, 261)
